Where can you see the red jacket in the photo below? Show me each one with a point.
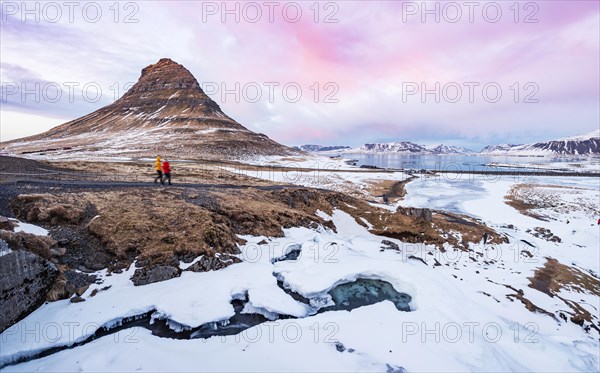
(166, 167)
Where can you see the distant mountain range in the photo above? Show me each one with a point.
(403, 147)
(588, 144)
(320, 148)
(407, 147)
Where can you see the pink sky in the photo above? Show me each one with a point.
(370, 54)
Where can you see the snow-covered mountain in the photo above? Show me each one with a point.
(449, 149)
(322, 148)
(500, 148)
(392, 147)
(407, 147)
(588, 144)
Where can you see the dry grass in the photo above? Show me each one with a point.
(395, 190)
(523, 207)
(155, 226)
(165, 225)
(39, 245)
(183, 172)
(554, 276)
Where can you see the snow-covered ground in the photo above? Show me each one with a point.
(351, 180)
(310, 160)
(483, 197)
(577, 165)
(460, 319)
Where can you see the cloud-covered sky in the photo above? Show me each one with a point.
(348, 72)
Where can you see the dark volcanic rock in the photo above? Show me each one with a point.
(25, 279)
(145, 276)
(77, 299)
(424, 214)
(208, 263)
(6, 224)
(77, 282)
(387, 244)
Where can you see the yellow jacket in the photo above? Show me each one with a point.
(158, 166)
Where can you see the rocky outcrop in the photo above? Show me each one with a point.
(213, 263)
(4, 249)
(6, 224)
(25, 279)
(419, 213)
(151, 274)
(544, 233)
(389, 245)
(145, 276)
(77, 282)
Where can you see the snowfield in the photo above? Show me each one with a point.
(464, 315)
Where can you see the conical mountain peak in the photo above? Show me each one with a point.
(165, 112)
(165, 75)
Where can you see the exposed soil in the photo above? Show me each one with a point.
(554, 276)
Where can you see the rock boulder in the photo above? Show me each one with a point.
(420, 213)
(145, 276)
(25, 279)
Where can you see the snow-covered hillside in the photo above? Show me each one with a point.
(471, 310)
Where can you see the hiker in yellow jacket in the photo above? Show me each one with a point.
(158, 168)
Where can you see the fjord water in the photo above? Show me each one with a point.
(464, 162)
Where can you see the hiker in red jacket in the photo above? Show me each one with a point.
(166, 167)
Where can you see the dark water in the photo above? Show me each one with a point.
(461, 162)
(362, 292)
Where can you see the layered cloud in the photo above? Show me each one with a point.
(361, 67)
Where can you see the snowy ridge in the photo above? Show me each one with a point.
(407, 147)
(584, 145)
(323, 148)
